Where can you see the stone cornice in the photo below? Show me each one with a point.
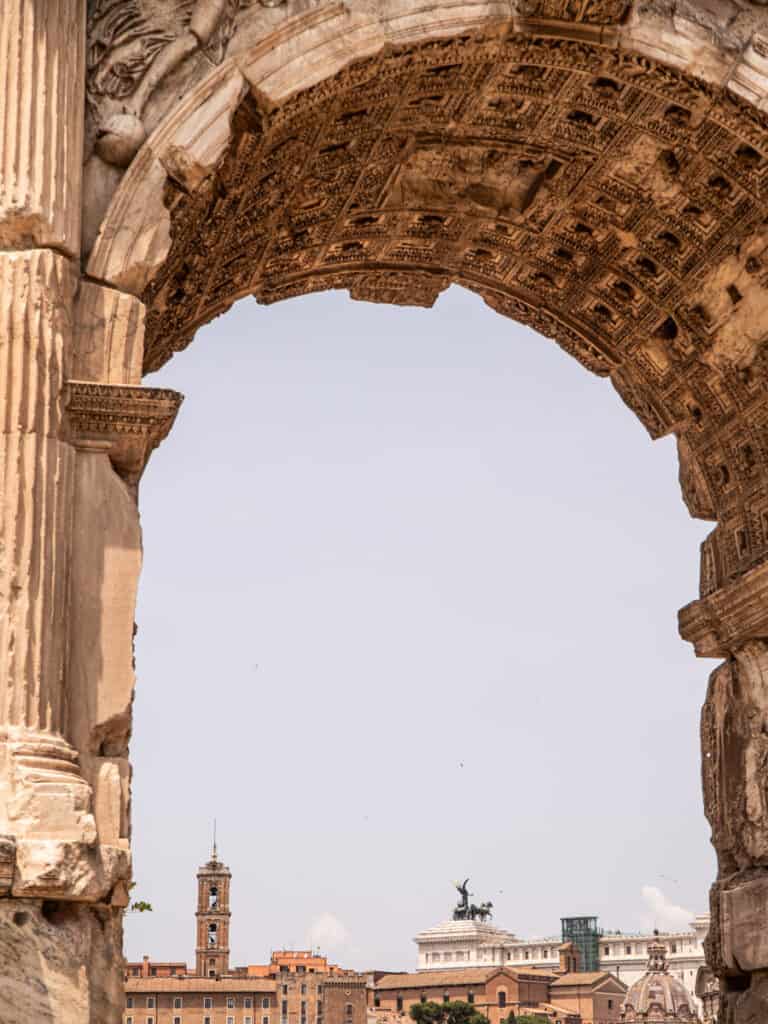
(723, 622)
(131, 420)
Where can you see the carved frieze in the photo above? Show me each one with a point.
(129, 421)
(597, 12)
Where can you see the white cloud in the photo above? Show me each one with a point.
(328, 932)
(661, 913)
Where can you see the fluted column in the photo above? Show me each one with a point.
(42, 89)
(42, 97)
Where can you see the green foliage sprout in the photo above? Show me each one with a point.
(138, 906)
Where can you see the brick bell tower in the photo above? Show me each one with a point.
(213, 916)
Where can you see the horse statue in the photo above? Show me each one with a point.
(484, 911)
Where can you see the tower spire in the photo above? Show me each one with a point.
(215, 856)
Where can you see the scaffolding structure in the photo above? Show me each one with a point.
(585, 936)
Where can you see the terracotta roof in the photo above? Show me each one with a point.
(438, 979)
(208, 985)
(581, 978)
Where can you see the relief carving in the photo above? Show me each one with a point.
(502, 183)
(132, 46)
(600, 12)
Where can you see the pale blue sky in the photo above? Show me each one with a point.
(408, 613)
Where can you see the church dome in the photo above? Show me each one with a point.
(657, 996)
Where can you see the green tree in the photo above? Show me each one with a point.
(455, 1012)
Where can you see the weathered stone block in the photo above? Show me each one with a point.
(734, 739)
(109, 336)
(744, 936)
(58, 963)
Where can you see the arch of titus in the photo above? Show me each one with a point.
(597, 169)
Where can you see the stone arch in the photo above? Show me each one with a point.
(597, 169)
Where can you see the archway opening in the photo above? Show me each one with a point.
(434, 573)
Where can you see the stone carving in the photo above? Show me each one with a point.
(601, 12)
(398, 289)
(132, 46)
(7, 863)
(483, 180)
(132, 421)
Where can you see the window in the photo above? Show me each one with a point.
(211, 974)
(207, 1003)
(150, 1002)
(213, 897)
(628, 950)
(285, 990)
(177, 1004)
(153, 972)
(265, 1003)
(502, 997)
(446, 997)
(129, 1020)
(527, 955)
(610, 1004)
(674, 947)
(348, 1011)
(129, 1002)
(607, 951)
(399, 1004)
(303, 1009)
(470, 997)
(303, 990)
(247, 1003)
(284, 1008)
(212, 933)
(150, 1020)
(247, 1020)
(230, 1002)
(177, 1020)
(265, 1020)
(230, 1020)
(377, 1000)
(423, 997)
(206, 1020)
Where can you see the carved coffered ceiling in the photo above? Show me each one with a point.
(613, 204)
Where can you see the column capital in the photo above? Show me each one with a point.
(722, 622)
(132, 420)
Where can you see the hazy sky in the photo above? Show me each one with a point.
(408, 614)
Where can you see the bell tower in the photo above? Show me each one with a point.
(213, 914)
